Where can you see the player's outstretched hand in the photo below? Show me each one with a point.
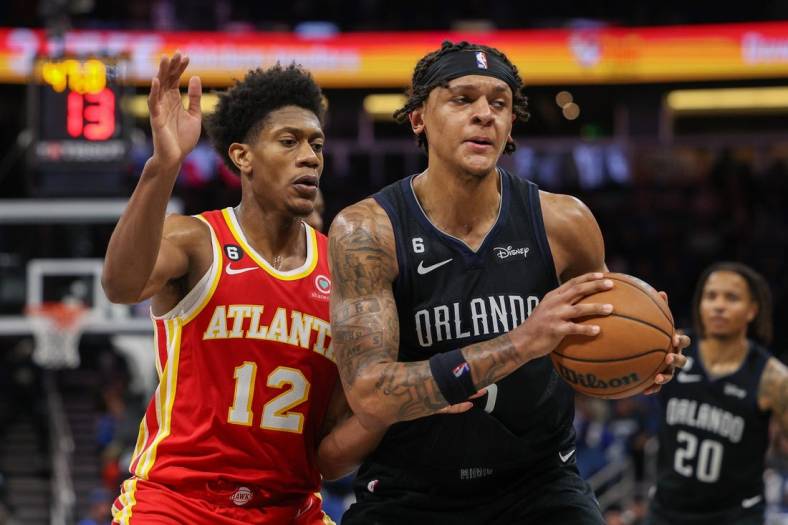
(673, 360)
(175, 129)
(553, 319)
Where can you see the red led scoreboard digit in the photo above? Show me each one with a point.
(91, 115)
(75, 113)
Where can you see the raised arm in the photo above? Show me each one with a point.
(142, 253)
(365, 326)
(773, 392)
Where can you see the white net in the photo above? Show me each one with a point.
(57, 328)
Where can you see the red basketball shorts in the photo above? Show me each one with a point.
(143, 502)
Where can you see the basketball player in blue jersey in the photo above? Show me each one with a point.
(450, 281)
(715, 414)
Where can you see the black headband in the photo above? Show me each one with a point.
(461, 62)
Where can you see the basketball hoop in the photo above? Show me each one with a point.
(57, 328)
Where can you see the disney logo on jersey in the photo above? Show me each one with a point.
(508, 253)
(323, 287)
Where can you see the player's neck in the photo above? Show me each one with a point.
(277, 237)
(723, 351)
(461, 205)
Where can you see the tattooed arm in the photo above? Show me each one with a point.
(773, 392)
(365, 326)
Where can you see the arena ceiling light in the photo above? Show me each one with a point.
(383, 105)
(137, 105)
(728, 100)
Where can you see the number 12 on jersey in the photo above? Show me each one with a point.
(277, 414)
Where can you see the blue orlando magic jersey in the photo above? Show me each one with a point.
(449, 296)
(712, 439)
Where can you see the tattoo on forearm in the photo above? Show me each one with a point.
(359, 256)
(365, 322)
(357, 346)
(413, 388)
(494, 359)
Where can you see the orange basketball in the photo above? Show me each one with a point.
(622, 360)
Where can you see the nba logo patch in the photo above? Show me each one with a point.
(460, 369)
(481, 60)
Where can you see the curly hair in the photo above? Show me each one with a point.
(242, 110)
(419, 91)
(760, 328)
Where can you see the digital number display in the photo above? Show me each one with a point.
(91, 115)
(75, 113)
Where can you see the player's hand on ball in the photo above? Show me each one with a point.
(673, 360)
(553, 319)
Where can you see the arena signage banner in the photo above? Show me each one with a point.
(365, 60)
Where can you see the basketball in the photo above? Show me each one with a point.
(622, 360)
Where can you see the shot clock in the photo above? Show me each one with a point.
(74, 113)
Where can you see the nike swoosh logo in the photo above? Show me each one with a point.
(565, 457)
(681, 377)
(233, 271)
(751, 502)
(424, 270)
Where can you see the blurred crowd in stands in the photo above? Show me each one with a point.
(356, 15)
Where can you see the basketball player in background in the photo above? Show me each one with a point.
(437, 279)
(715, 414)
(249, 411)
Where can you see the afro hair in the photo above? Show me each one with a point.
(243, 109)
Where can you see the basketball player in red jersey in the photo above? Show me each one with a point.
(236, 430)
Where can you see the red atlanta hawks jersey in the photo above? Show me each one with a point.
(246, 371)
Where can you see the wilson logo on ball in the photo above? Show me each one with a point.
(592, 381)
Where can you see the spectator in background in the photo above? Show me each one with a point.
(100, 509)
(633, 424)
(594, 437)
